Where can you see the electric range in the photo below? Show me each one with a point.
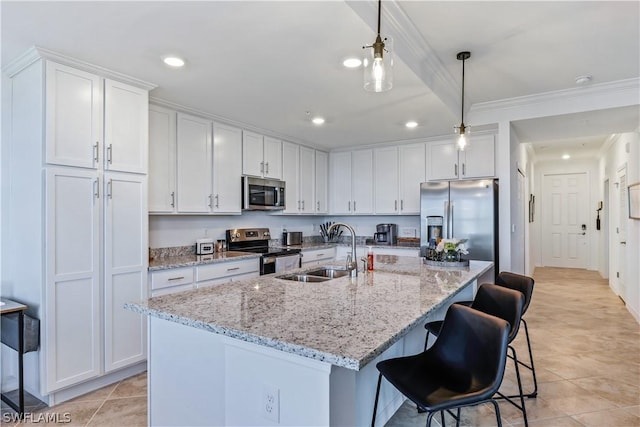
(256, 240)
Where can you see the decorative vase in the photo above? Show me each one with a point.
(451, 256)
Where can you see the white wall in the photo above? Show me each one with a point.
(166, 231)
(589, 166)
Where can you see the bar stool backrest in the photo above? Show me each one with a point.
(518, 282)
(501, 302)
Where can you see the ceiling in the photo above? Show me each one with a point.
(263, 65)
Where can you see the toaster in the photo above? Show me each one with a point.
(204, 246)
(290, 238)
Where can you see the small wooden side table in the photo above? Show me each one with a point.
(12, 308)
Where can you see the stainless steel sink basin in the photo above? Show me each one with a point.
(303, 278)
(331, 273)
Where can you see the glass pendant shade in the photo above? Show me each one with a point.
(378, 65)
(463, 136)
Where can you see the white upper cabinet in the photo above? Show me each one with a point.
(126, 127)
(351, 182)
(194, 170)
(73, 117)
(227, 169)
(412, 161)
(261, 156)
(322, 177)
(162, 160)
(306, 180)
(399, 170)
(476, 161)
(290, 173)
(386, 180)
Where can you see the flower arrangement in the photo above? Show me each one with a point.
(451, 249)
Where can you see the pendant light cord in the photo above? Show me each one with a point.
(379, 9)
(462, 112)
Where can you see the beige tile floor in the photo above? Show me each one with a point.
(586, 347)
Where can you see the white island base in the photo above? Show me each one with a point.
(200, 378)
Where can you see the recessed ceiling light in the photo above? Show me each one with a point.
(411, 124)
(583, 80)
(317, 120)
(174, 61)
(352, 62)
(566, 156)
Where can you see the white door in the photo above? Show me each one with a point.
(162, 159)
(272, 158)
(126, 127)
(564, 220)
(125, 268)
(290, 166)
(623, 215)
(195, 164)
(322, 176)
(227, 168)
(306, 174)
(340, 182)
(72, 342)
(412, 173)
(362, 181)
(252, 154)
(386, 180)
(73, 117)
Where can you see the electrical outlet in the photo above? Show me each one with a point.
(270, 404)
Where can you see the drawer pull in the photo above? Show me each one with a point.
(176, 278)
(319, 255)
(234, 268)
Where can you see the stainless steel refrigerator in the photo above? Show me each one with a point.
(462, 210)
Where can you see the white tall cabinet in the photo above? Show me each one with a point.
(76, 201)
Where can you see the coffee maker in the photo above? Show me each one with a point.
(386, 234)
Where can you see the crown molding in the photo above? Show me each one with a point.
(36, 53)
(627, 86)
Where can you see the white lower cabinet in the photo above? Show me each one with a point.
(163, 282)
(318, 256)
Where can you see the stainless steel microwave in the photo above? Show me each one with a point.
(260, 194)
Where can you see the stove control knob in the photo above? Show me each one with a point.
(267, 234)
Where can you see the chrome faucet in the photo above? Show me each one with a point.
(352, 259)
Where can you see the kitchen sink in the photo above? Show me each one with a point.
(331, 273)
(303, 278)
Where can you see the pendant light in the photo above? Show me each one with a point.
(378, 67)
(462, 130)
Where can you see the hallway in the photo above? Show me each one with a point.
(586, 347)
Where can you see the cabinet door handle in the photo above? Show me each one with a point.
(175, 278)
(303, 205)
(96, 152)
(233, 269)
(401, 205)
(395, 205)
(266, 168)
(110, 189)
(96, 188)
(320, 255)
(210, 200)
(109, 153)
(354, 205)
(464, 169)
(455, 170)
(349, 208)
(318, 206)
(217, 201)
(261, 167)
(298, 204)
(173, 199)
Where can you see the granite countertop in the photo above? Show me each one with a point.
(346, 322)
(163, 263)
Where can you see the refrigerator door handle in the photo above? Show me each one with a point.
(445, 232)
(452, 234)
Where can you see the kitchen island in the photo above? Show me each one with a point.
(268, 351)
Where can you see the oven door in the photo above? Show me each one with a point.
(288, 262)
(262, 194)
